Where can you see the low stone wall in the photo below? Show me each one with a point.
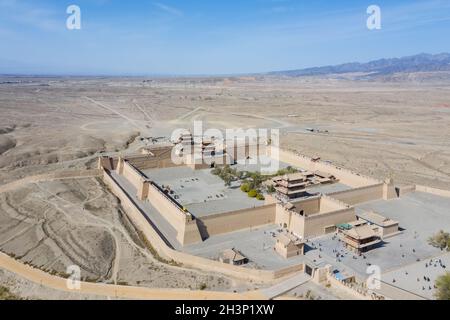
(104, 291)
(288, 270)
(437, 192)
(237, 220)
(58, 175)
(395, 293)
(349, 290)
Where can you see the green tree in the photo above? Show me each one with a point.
(443, 287)
(245, 188)
(253, 193)
(440, 240)
(271, 189)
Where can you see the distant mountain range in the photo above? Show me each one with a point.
(378, 68)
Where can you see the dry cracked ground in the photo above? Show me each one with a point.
(396, 129)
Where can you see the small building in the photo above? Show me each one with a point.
(323, 177)
(313, 216)
(361, 238)
(383, 226)
(233, 256)
(288, 245)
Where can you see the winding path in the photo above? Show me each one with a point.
(117, 291)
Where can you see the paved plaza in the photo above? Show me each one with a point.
(256, 244)
(419, 213)
(419, 277)
(201, 192)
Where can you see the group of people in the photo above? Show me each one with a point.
(433, 263)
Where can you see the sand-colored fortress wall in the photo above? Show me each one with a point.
(172, 212)
(359, 195)
(285, 218)
(241, 151)
(288, 270)
(329, 204)
(345, 176)
(237, 220)
(131, 174)
(315, 224)
(403, 190)
(319, 214)
(146, 162)
(310, 205)
(141, 223)
(389, 190)
(181, 221)
(107, 163)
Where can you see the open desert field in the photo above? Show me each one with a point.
(392, 129)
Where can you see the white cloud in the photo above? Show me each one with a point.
(30, 14)
(168, 9)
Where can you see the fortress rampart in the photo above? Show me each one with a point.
(346, 176)
(323, 213)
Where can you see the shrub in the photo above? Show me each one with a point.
(259, 196)
(443, 287)
(245, 188)
(252, 193)
(287, 170)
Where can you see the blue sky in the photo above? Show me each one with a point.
(139, 37)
